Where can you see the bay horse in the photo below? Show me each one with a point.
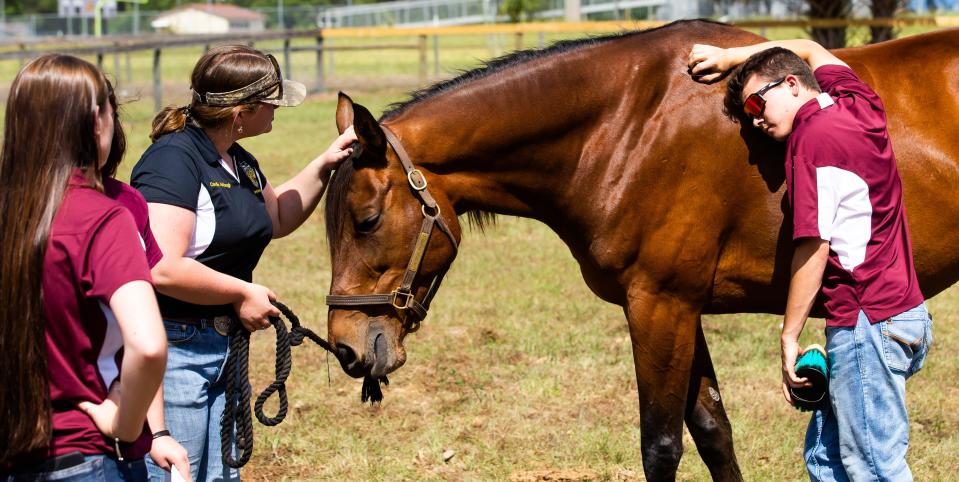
(671, 210)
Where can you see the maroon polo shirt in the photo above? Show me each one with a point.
(843, 187)
(132, 200)
(94, 248)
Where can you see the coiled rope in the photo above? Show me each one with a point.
(236, 426)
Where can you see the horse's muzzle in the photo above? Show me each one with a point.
(380, 354)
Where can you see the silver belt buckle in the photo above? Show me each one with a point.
(222, 324)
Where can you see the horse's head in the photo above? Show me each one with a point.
(390, 245)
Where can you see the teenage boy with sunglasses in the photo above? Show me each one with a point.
(851, 242)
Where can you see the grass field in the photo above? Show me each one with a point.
(519, 371)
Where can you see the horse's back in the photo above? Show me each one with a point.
(916, 79)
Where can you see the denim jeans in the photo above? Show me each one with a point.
(194, 398)
(95, 468)
(864, 432)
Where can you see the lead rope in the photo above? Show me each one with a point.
(236, 425)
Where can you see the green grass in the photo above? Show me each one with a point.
(518, 369)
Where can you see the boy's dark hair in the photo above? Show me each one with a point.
(770, 64)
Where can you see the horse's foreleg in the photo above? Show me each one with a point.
(706, 418)
(663, 332)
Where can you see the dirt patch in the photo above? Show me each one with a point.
(554, 475)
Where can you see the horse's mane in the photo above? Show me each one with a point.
(513, 59)
(336, 214)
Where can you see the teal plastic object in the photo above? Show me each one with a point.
(813, 366)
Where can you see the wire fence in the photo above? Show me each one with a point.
(416, 13)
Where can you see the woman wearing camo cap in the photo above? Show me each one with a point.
(213, 213)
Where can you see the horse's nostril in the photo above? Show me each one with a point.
(350, 362)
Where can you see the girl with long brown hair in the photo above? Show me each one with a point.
(75, 286)
(215, 212)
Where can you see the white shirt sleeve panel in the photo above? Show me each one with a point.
(845, 214)
(205, 225)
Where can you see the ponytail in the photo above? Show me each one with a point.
(170, 119)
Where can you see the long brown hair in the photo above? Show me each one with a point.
(222, 69)
(118, 145)
(50, 131)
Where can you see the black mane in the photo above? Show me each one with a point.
(510, 60)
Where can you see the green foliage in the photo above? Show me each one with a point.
(19, 7)
(521, 10)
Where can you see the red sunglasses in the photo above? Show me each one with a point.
(755, 104)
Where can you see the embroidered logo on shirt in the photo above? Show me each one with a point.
(251, 175)
(220, 184)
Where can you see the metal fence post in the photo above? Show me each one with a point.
(129, 67)
(320, 81)
(157, 86)
(423, 59)
(436, 55)
(116, 63)
(330, 59)
(286, 58)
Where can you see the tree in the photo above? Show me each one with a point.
(885, 9)
(26, 7)
(831, 37)
(520, 10)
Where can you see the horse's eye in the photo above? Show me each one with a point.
(368, 224)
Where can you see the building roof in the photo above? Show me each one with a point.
(229, 12)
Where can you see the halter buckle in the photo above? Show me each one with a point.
(413, 184)
(434, 215)
(401, 297)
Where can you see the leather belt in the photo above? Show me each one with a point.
(221, 324)
(53, 464)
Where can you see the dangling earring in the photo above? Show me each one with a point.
(239, 130)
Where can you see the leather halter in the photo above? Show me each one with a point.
(402, 298)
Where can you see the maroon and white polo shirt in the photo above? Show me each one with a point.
(132, 200)
(94, 248)
(843, 187)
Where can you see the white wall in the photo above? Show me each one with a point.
(192, 21)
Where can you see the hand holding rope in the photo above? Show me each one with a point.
(236, 426)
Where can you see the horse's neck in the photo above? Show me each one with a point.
(509, 144)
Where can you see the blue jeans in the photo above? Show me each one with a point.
(194, 398)
(864, 432)
(95, 468)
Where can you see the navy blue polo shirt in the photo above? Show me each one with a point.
(232, 228)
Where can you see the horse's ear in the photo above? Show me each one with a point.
(370, 136)
(344, 112)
